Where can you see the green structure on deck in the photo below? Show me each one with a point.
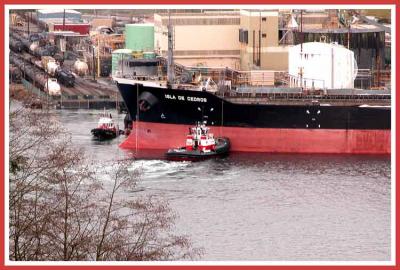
(117, 56)
(139, 37)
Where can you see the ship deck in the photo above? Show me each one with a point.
(306, 99)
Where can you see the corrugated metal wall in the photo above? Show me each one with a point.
(368, 47)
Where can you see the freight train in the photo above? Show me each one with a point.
(49, 50)
(33, 19)
(50, 66)
(15, 74)
(36, 45)
(16, 45)
(65, 77)
(36, 76)
(81, 67)
(48, 63)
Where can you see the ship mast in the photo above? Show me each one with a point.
(170, 59)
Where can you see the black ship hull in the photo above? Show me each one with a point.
(312, 127)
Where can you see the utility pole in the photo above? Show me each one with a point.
(64, 37)
(29, 19)
(170, 67)
(254, 47)
(259, 42)
(301, 32)
(48, 91)
(348, 35)
(378, 69)
(98, 58)
(93, 65)
(122, 64)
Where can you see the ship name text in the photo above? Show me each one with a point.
(188, 98)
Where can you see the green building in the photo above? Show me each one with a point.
(139, 37)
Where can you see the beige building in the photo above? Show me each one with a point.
(206, 39)
(242, 40)
(259, 42)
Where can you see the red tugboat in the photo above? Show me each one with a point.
(106, 129)
(200, 145)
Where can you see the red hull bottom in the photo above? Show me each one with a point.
(271, 140)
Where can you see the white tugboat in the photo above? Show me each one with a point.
(200, 145)
(106, 128)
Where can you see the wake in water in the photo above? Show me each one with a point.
(157, 169)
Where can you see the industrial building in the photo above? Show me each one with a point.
(58, 15)
(339, 72)
(259, 43)
(139, 37)
(242, 40)
(201, 39)
(249, 47)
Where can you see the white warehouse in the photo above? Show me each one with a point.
(321, 66)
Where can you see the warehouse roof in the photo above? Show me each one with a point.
(50, 11)
(139, 24)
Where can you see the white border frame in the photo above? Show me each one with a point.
(392, 261)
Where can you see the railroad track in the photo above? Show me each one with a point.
(82, 88)
(85, 88)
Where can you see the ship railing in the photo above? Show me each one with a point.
(139, 77)
(364, 73)
(301, 96)
(381, 78)
(256, 78)
(306, 83)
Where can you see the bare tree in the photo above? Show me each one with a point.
(30, 143)
(62, 209)
(143, 231)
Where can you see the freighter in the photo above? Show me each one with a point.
(285, 121)
(312, 124)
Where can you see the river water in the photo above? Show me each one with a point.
(265, 206)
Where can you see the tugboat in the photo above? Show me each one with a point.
(106, 129)
(200, 145)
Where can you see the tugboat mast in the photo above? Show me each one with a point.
(170, 59)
